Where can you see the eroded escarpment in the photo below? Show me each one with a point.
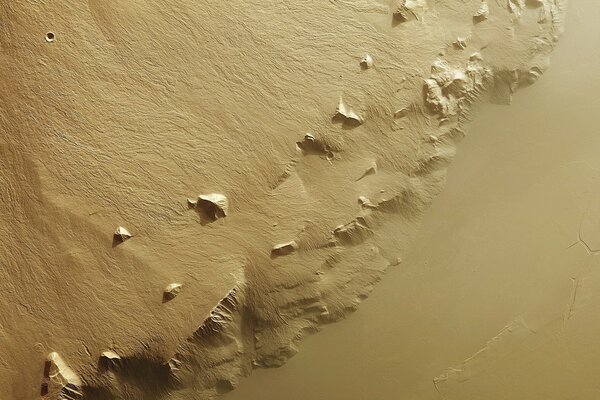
(315, 165)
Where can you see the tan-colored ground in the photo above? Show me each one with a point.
(496, 285)
(130, 108)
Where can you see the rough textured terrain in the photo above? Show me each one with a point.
(190, 188)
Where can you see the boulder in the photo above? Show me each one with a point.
(172, 290)
(122, 234)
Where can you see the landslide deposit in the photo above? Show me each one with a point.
(189, 188)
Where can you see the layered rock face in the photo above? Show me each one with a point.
(317, 134)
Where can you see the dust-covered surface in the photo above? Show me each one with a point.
(190, 188)
(497, 297)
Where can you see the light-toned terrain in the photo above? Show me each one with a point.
(315, 133)
(496, 298)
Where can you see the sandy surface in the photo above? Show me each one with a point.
(316, 135)
(497, 297)
(494, 262)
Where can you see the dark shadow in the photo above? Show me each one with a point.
(147, 373)
(368, 172)
(350, 124)
(398, 19)
(315, 148)
(167, 297)
(338, 119)
(478, 19)
(280, 253)
(97, 393)
(311, 147)
(205, 218)
(223, 386)
(207, 211)
(116, 240)
(533, 4)
(346, 123)
(47, 366)
(44, 387)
